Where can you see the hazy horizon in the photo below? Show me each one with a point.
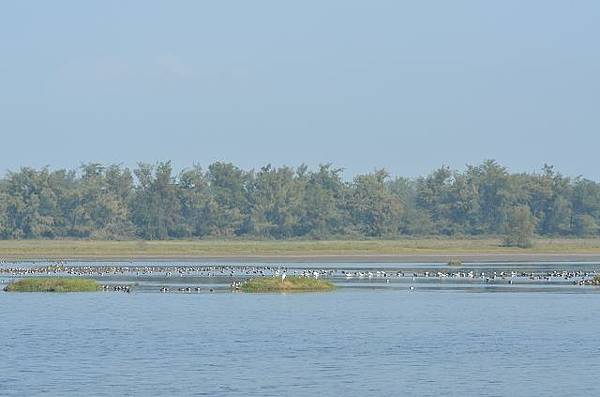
(363, 85)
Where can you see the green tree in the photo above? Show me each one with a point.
(323, 211)
(228, 206)
(433, 199)
(275, 202)
(194, 197)
(155, 205)
(585, 225)
(586, 202)
(108, 202)
(31, 206)
(550, 201)
(520, 227)
(375, 211)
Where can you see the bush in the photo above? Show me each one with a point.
(519, 228)
(290, 284)
(585, 225)
(52, 284)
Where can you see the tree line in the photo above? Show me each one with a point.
(153, 202)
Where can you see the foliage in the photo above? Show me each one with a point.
(52, 284)
(374, 209)
(584, 225)
(519, 228)
(290, 284)
(153, 202)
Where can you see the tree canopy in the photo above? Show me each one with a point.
(153, 202)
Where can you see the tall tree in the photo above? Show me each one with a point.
(324, 213)
(375, 211)
(228, 189)
(275, 202)
(155, 205)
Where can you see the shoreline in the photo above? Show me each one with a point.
(301, 251)
(341, 258)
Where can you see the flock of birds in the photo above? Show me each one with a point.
(236, 274)
(472, 274)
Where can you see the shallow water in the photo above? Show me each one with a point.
(368, 338)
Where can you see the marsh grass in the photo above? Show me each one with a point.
(290, 284)
(92, 249)
(52, 284)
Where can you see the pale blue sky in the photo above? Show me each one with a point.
(364, 84)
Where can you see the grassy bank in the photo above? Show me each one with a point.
(52, 285)
(290, 284)
(224, 249)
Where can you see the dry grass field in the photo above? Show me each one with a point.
(410, 250)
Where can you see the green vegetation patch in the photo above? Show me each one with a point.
(52, 284)
(290, 284)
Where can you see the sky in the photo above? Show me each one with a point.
(405, 86)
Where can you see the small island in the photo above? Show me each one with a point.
(289, 284)
(52, 284)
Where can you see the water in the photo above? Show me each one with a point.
(454, 339)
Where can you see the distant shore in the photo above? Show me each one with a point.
(408, 251)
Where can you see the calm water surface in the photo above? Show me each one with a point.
(355, 341)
